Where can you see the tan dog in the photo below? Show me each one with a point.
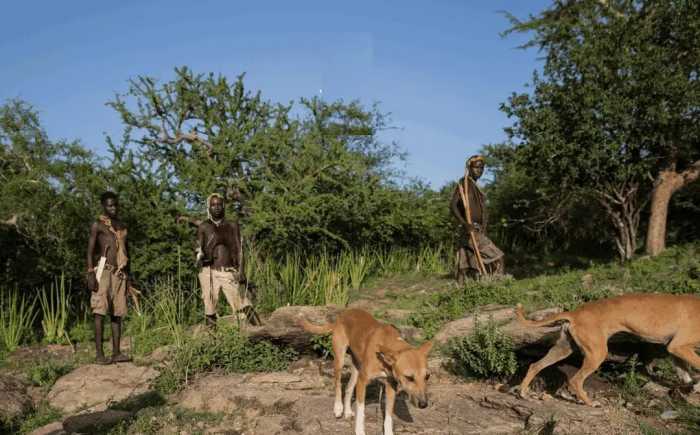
(673, 320)
(377, 351)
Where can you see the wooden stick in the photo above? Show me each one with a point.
(467, 211)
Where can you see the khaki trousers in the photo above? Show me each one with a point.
(213, 281)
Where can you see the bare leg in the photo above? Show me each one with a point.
(117, 356)
(558, 352)
(349, 389)
(99, 353)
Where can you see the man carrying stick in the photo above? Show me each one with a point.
(477, 255)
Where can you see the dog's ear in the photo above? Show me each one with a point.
(386, 356)
(425, 347)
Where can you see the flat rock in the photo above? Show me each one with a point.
(95, 422)
(15, 401)
(93, 387)
(55, 428)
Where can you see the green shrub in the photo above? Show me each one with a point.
(322, 345)
(46, 373)
(227, 350)
(82, 332)
(487, 352)
(41, 416)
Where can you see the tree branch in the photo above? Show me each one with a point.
(189, 137)
(12, 221)
(691, 174)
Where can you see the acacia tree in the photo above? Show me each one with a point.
(617, 101)
(300, 176)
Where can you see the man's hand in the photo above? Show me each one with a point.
(476, 226)
(92, 281)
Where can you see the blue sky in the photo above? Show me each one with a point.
(439, 67)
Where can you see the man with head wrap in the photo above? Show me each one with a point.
(476, 253)
(220, 256)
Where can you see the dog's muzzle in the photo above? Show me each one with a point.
(422, 404)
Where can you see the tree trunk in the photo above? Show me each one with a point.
(622, 206)
(666, 184)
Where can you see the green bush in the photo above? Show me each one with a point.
(46, 373)
(41, 416)
(227, 350)
(487, 352)
(322, 345)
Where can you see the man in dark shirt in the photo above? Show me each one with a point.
(220, 256)
(468, 263)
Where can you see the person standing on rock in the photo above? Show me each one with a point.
(477, 255)
(108, 275)
(220, 257)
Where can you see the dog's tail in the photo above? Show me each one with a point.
(316, 329)
(520, 315)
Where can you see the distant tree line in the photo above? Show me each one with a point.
(602, 156)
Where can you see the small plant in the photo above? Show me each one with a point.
(632, 381)
(55, 303)
(322, 345)
(47, 373)
(17, 316)
(487, 352)
(41, 416)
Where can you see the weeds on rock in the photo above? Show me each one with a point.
(46, 373)
(227, 350)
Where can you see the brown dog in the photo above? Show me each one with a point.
(377, 351)
(673, 320)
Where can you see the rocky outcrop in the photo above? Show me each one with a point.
(15, 401)
(93, 387)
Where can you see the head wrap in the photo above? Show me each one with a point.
(209, 198)
(473, 159)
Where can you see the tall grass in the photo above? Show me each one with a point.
(17, 315)
(327, 278)
(55, 306)
(356, 266)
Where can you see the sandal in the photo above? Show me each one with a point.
(120, 357)
(101, 360)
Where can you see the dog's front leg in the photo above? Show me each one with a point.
(347, 405)
(389, 409)
(360, 391)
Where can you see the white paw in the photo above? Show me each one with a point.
(349, 414)
(338, 409)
